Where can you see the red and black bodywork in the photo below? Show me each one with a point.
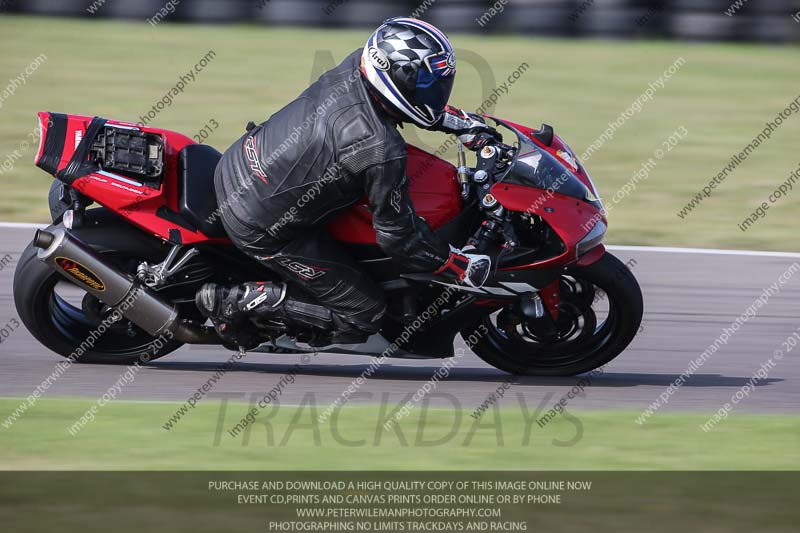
(532, 207)
(176, 203)
(158, 180)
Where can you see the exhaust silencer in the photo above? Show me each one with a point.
(76, 261)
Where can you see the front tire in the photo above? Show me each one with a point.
(519, 352)
(71, 331)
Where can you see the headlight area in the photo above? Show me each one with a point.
(592, 239)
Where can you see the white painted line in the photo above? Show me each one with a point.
(657, 249)
(22, 225)
(84, 398)
(713, 251)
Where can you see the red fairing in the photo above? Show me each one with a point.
(434, 191)
(562, 151)
(592, 256)
(125, 196)
(566, 215)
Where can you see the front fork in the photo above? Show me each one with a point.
(543, 308)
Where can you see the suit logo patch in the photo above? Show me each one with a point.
(251, 153)
(397, 195)
(304, 271)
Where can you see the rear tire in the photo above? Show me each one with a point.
(607, 340)
(64, 328)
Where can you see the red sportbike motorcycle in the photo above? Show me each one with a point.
(101, 285)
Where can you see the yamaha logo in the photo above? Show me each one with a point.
(378, 58)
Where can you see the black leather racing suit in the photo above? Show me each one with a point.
(281, 181)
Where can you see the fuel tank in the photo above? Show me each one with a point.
(434, 191)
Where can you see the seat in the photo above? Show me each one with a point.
(197, 201)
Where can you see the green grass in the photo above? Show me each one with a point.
(722, 95)
(129, 436)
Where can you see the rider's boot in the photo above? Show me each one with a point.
(228, 307)
(231, 303)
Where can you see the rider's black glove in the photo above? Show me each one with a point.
(471, 129)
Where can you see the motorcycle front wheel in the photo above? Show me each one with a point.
(600, 314)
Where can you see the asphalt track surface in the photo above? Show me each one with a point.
(690, 296)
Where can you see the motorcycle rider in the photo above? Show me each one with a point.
(334, 144)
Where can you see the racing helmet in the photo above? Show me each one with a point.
(412, 66)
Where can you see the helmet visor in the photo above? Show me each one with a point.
(433, 90)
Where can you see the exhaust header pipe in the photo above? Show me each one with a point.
(76, 261)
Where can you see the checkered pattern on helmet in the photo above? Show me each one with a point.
(406, 48)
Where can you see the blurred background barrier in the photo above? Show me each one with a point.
(719, 20)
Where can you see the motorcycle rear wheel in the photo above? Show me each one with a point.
(588, 341)
(69, 329)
